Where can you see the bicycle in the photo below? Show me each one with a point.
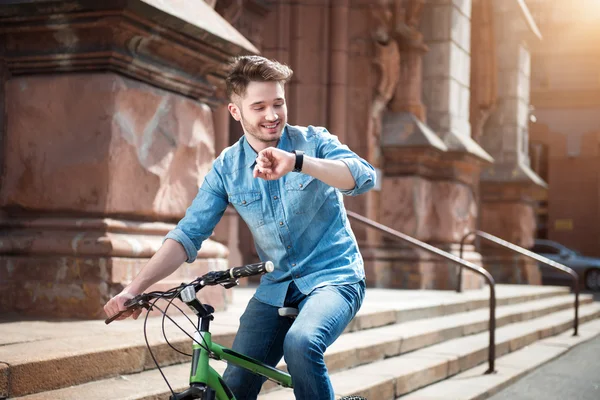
(205, 382)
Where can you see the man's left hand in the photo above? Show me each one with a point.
(273, 163)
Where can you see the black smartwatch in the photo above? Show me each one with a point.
(299, 160)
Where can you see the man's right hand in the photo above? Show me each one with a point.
(162, 264)
(117, 304)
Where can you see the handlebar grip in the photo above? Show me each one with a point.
(251, 269)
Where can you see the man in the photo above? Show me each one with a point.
(286, 182)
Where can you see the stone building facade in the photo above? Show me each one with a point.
(114, 112)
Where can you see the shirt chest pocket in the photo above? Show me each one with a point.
(249, 206)
(303, 193)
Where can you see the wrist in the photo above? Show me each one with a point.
(126, 294)
(131, 290)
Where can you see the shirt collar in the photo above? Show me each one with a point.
(250, 154)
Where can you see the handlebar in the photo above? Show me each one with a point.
(227, 278)
(251, 269)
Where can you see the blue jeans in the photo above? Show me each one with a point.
(265, 336)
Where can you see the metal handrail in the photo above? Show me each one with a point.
(451, 257)
(530, 254)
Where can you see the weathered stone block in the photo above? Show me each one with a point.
(465, 6)
(436, 62)
(459, 104)
(124, 146)
(78, 287)
(436, 94)
(436, 23)
(113, 146)
(461, 29)
(4, 374)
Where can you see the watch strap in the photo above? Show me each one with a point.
(299, 160)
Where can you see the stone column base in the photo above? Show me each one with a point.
(511, 268)
(416, 269)
(508, 211)
(69, 268)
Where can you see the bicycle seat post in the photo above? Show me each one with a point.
(289, 312)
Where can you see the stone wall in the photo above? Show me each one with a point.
(108, 133)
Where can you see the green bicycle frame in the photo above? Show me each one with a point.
(203, 373)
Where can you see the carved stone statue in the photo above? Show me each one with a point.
(387, 64)
(414, 10)
(483, 67)
(394, 27)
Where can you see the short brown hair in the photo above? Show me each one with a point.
(246, 69)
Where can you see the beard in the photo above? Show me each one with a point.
(268, 136)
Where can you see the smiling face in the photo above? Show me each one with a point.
(262, 112)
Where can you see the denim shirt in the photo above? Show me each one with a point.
(298, 222)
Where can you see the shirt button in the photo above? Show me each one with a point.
(275, 197)
(293, 265)
(297, 276)
(289, 247)
(244, 202)
(300, 185)
(280, 223)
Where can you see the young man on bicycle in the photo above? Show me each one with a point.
(286, 182)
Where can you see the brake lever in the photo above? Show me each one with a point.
(228, 284)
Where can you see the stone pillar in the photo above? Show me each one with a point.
(446, 28)
(400, 143)
(507, 186)
(431, 163)
(109, 132)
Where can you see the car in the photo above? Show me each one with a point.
(588, 268)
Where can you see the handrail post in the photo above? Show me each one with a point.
(492, 345)
(537, 257)
(576, 288)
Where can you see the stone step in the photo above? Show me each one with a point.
(85, 351)
(362, 347)
(385, 307)
(347, 351)
(371, 345)
(475, 384)
(396, 376)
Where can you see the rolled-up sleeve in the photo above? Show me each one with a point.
(201, 216)
(331, 148)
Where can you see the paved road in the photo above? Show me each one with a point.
(573, 376)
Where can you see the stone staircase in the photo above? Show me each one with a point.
(402, 344)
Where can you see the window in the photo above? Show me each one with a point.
(545, 249)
